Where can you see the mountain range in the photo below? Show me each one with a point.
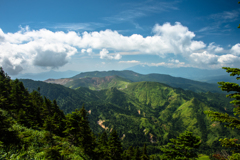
(203, 75)
(147, 109)
(103, 80)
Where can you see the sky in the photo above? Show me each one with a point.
(79, 35)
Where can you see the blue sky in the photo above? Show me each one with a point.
(37, 36)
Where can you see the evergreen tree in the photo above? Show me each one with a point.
(8, 137)
(129, 154)
(115, 147)
(102, 149)
(78, 131)
(183, 147)
(228, 120)
(5, 89)
(137, 154)
(87, 139)
(144, 153)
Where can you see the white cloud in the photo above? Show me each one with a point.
(180, 64)
(211, 60)
(236, 49)
(228, 59)
(89, 51)
(12, 69)
(83, 50)
(104, 55)
(214, 48)
(175, 39)
(174, 61)
(204, 58)
(45, 48)
(132, 61)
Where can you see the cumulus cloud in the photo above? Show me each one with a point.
(104, 55)
(45, 48)
(204, 58)
(167, 38)
(2, 38)
(236, 49)
(12, 69)
(214, 48)
(228, 59)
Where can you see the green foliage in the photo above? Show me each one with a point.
(183, 147)
(98, 83)
(145, 112)
(115, 147)
(78, 131)
(31, 125)
(228, 120)
(144, 153)
(176, 82)
(9, 138)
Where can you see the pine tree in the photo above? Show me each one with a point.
(228, 120)
(144, 153)
(115, 147)
(129, 153)
(102, 149)
(87, 138)
(78, 131)
(5, 89)
(183, 147)
(137, 154)
(8, 138)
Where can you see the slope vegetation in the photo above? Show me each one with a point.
(176, 82)
(144, 112)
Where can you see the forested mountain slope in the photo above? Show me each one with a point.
(98, 80)
(33, 127)
(146, 112)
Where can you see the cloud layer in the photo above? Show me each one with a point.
(45, 48)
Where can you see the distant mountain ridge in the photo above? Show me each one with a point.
(89, 79)
(46, 75)
(184, 72)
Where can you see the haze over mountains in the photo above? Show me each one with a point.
(203, 75)
(45, 75)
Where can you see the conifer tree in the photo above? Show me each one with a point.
(228, 120)
(8, 138)
(129, 153)
(87, 138)
(183, 147)
(5, 89)
(115, 147)
(144, 153)
(137, 154)
(102, 150)
(78, 131)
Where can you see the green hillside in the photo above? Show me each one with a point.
(175, 82)
(146, 112)
(98, 83)
(34, 127)
(67, 98)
